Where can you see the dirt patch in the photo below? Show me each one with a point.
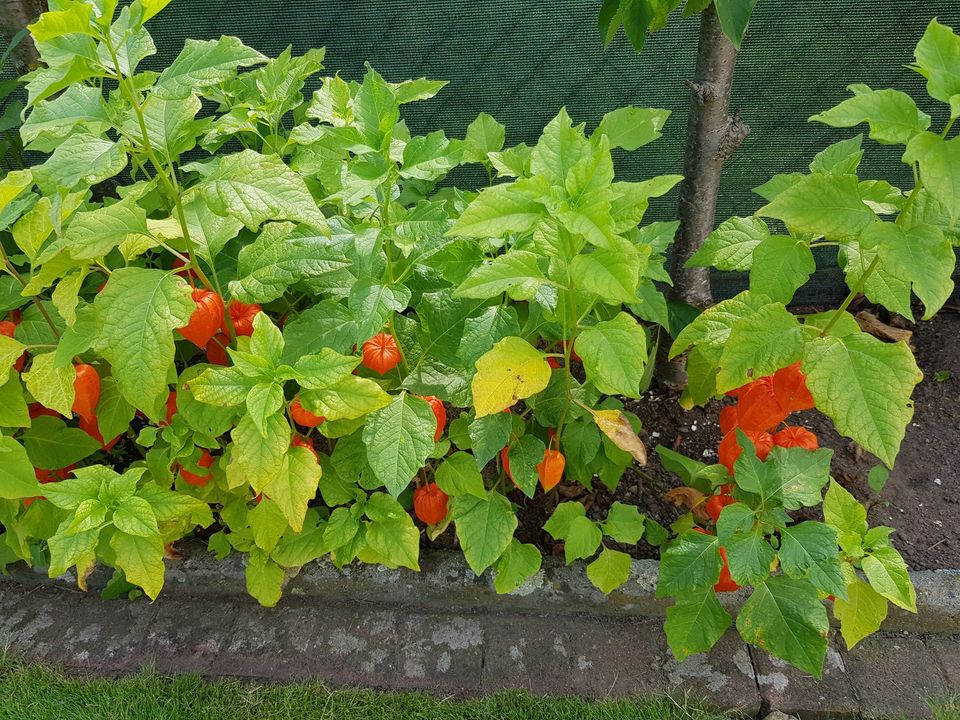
(922, 496)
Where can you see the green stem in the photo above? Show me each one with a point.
(169, 182)
(570, 310)
(948, 128)
(857, 289)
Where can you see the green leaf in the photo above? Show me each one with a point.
(74, 18)
(458, 475)
(877, 478)
(881, 287)
(169, 122)
(516, 272)
(95, 233)
(561, 146)
(864, 386)
(343, 525)
(497, 211)
(781, 265)
(77, 550)
(46, 81)
(324, 369)
(524, 456)
(518, 562)
(141, 559)
(131, 41)
(690, 562)
(610, 570)
(263, 401)
(939, 162)
(396, 541)
(888, 575)
(614, 354)
(822, 204)
(562, 519)
(135, 516)
(749, 554)
(138, 311)
(265, 578)
(734, 16)
(255, 188)
(861, 614)
(759, 344)
(938, 60)
(893, 116)
(513, 370)
(203, 63)
(482, 332)
(809, 550)
(484, 135)
(53, 120)
(52, 445)
(801, 475)
(278, 258)
(710, 331)
(842, 157)
(731, 245)
(89, 515)
(267, 524)
(430, 157)
(484, 528)
(13, 405)
(624, 524)
(326, 325)
(374, 304)
(399, 439)
(631, 127)
(16, 471)
(85, 485)
(920, 255)
(295, 486)
(695, 622)
(611, 274)
(258, 458)
(169, 506)
(81, 160)
(488, 435)
(350, 398)
(786, 618)
(842, 512)
(10, 352)
(222, 387)
(375, 108)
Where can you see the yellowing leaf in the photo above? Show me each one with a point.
(616, 426)
(511, 371)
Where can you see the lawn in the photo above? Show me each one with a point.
(36, 692)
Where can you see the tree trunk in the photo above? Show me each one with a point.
(14, 16)
(712, 136)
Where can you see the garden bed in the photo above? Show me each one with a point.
(921, 498)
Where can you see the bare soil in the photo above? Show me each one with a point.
(921, 499)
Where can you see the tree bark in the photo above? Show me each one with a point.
(712, 136)
(14, 16)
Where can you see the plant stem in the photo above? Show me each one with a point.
(856, 290)
(169, 182)
(570, 310)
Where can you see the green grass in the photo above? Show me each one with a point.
(36, 692)
(946, 708)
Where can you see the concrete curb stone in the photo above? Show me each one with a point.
(446, 583)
